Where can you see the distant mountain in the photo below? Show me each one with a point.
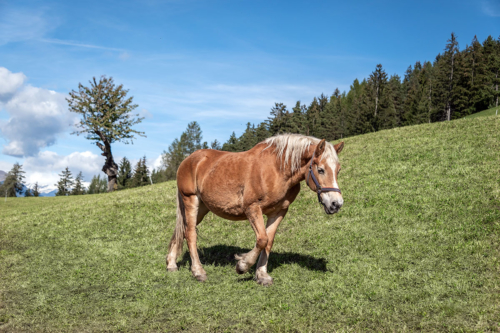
(47, 190)
(44, 190)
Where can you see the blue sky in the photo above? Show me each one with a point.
(221, 63)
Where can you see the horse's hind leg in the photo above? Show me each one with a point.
(190, 212)
(195, 211)
(273, 222)
(247, 260)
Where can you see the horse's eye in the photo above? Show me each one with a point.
(321, 171)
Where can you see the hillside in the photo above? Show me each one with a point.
(415, 247)
(485, 113)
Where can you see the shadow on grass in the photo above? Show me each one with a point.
(223, 255)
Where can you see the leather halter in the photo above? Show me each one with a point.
(319, 189)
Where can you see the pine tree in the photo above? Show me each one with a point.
(461, 99)
(79, 188)
(28, 193)
(36, 192)
(193, 138)
(141, 174)
(215, 145)
(65, 183)
(329, 121)
(425, 107)
(296, 123)
(157, 176)
(490, 80)
(14, 181)
(277, 119)
(248, 138)
(389, 115)
(445, 78)
(94, 185)
(377, 82)
(473, 57)
(97, 185)
(179, 149)
(231, 144)
(124, 173)
(261, 132)
(313, 119)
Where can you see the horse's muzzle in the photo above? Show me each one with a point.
(333, 208)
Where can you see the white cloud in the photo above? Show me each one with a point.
(156, 163)
(145, 113)
(9, 83)
(37, 117)
(5, 166)
(45, 167)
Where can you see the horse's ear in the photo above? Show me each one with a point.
(320, 148)
(338, 147)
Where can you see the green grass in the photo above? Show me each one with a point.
(485, 113)
(415, 247)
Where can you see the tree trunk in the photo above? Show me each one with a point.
(430, 101)
(473, 65)
(448, 105)
(110, 168)
(496, 88)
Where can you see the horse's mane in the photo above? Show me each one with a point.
(293, 146)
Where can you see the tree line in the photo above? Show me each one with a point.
(14, 184)
(456, 84)
(126, 178)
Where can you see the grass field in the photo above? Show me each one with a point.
(415, 247)
(485, 113)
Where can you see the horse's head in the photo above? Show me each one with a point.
(322, 173)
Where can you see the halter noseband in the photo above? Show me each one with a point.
(319, 189)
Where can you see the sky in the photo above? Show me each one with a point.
(220, 63)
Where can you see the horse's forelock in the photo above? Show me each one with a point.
(293, 146)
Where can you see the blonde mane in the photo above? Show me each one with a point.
(293, 146)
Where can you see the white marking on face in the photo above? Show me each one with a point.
(332, 201)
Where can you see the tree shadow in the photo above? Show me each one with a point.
(223, 255)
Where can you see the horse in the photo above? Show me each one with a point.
(264, 180)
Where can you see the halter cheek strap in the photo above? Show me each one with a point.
(319, 189)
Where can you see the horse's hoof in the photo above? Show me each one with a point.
(241, 268)
(172, 269)
(265, 281)
(201, 278)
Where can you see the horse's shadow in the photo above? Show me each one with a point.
(223, 255)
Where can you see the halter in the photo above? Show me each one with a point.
(319, 189)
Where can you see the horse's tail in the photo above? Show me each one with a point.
(177, 240)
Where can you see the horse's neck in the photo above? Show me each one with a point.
(299, 175)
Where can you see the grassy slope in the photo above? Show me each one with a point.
(414, 248)
(485, 113)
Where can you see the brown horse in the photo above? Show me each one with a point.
(244, 186)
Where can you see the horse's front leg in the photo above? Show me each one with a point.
(247, 260)
(273, 222)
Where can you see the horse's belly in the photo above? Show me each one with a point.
(234, 213)
(228, 207)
